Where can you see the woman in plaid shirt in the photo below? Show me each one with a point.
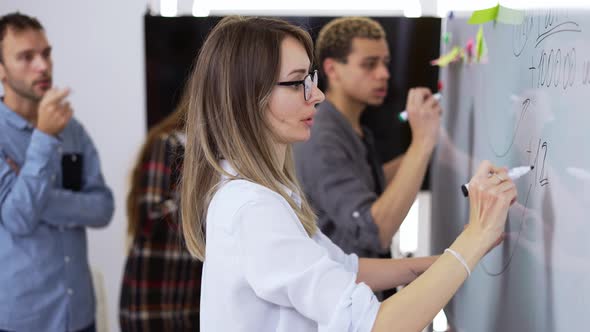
(161, 282)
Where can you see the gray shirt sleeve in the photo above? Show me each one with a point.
(339, 191)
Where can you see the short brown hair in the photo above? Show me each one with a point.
(335, 38)
(17, 22)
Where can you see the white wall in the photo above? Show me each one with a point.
(98, 51)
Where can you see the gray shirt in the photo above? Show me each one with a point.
(335, 171)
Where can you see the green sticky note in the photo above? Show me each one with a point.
(484, 15)
(480, 45)
(447, 38)
(510, 16)
(497, 13)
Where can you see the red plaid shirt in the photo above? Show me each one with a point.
(162, 282)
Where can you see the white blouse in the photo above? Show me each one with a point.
(262, 272)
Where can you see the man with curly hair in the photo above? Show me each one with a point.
(361, 202)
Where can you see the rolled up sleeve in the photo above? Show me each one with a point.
(353, 317)
(340, 193)
(284, 266)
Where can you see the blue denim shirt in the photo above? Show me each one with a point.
(45, 281)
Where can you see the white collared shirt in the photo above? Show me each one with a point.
(262, 272)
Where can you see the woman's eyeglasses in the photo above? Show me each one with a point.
(309, 81)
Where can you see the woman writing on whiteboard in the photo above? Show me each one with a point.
(266, 265)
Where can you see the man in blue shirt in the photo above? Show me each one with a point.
(51, 189)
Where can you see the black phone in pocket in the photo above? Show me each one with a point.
(71, 169)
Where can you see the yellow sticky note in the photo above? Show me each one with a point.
(444, 60)
(484, 15)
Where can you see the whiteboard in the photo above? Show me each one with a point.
(528, 105)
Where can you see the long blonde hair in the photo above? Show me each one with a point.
(229, 89)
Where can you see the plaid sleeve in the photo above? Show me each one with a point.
(158, 199)
(162, 281)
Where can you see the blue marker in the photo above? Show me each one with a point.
(513, 174)
(403, 116)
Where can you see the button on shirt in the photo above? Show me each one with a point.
(45, 282)
(263, 272)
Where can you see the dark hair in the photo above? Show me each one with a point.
(17, 22)
(335, 38)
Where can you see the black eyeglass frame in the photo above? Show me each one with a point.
(313, 79)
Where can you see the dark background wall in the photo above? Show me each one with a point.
(172, 44)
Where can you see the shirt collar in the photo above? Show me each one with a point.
(228, 168)
(181, 137)
(13, 118)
